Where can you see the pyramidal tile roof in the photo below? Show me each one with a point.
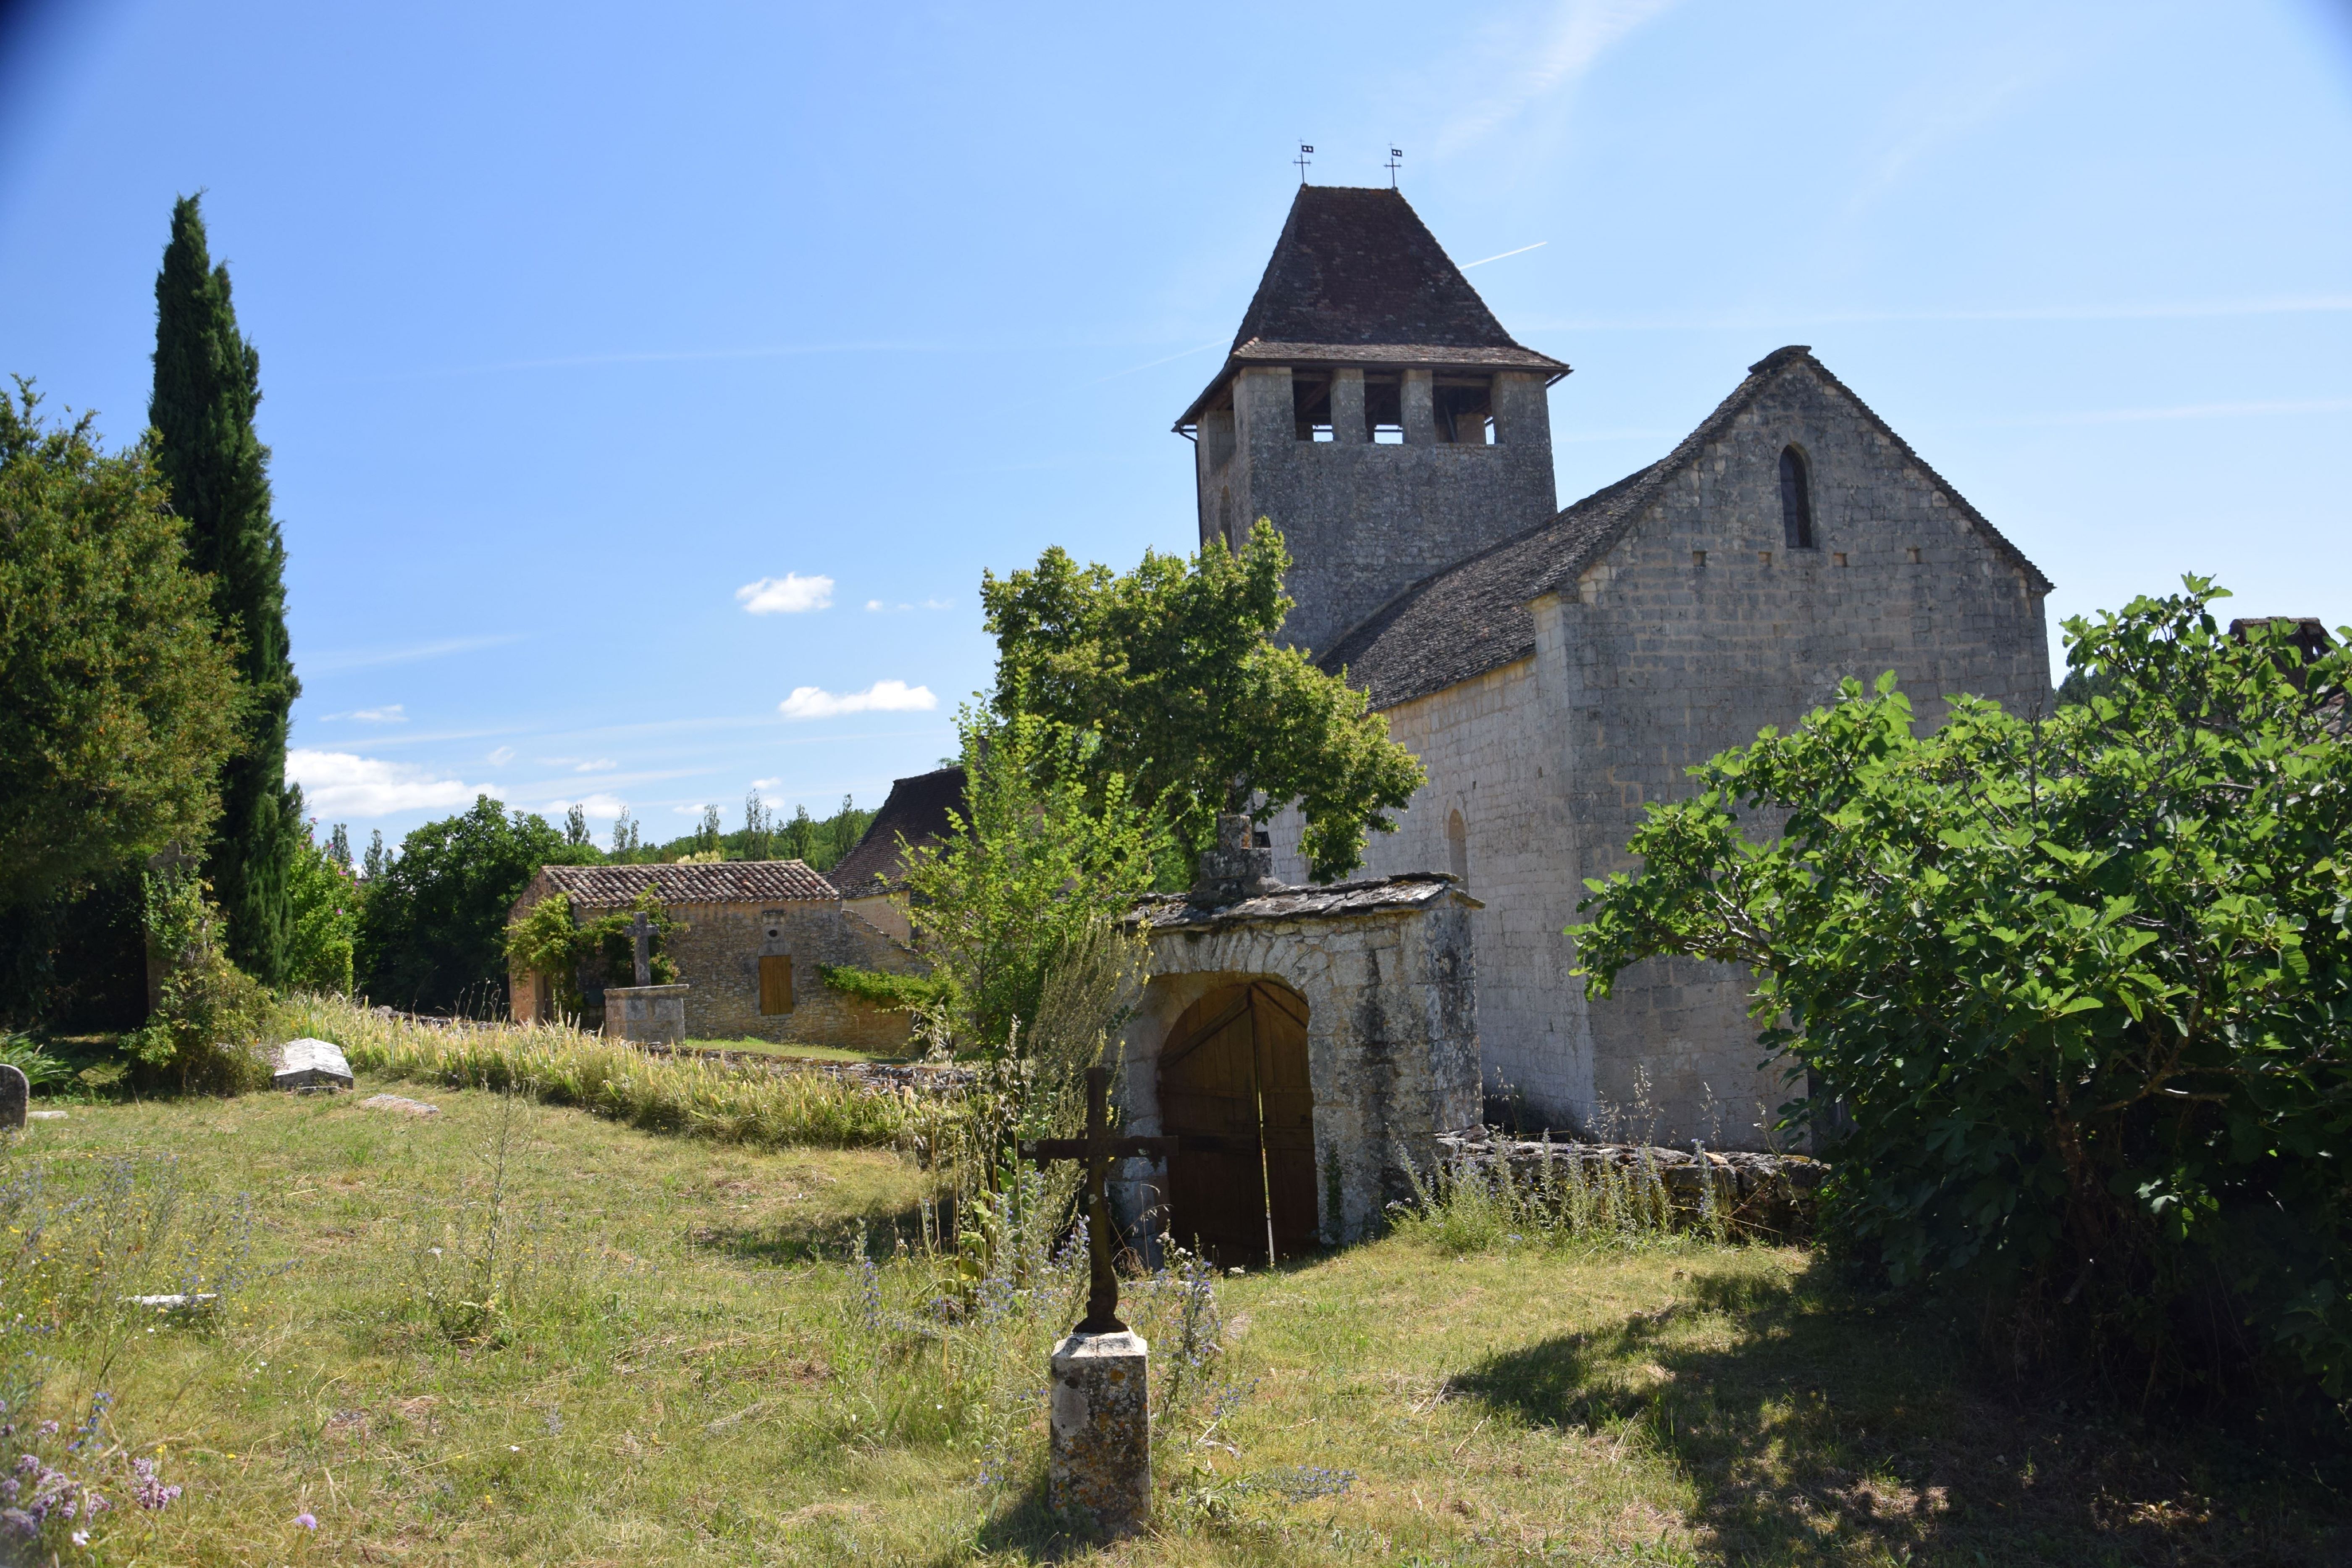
(1472, 617)
(1357, 278)
(917, 811)
(721, 882)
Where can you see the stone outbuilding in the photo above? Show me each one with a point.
(755, 933)
(1301, 1043)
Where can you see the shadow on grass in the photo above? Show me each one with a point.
(873, 1232)
(1834, 1430)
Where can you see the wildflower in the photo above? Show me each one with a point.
(81, 1538)
(307, 1521)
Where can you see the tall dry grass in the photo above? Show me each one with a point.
(735, 1103)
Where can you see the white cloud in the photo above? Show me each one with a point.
(601, 765)
(875, 605)
(337, 783)
(595, 805)
(502, 756)
(882, 697)
(928, 605)
(786, 596)
(395, 714)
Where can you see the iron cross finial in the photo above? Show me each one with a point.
(1396, 156)
(1305, 156)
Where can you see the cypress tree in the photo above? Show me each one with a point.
(207, 384)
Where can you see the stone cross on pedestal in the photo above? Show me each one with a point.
(1100, 1468)
(641, 938)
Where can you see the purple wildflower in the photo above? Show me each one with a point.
(307, 1521)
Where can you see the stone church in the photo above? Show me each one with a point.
(1557, 669)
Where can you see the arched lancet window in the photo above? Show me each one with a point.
(1457, 849)
(1796, 500)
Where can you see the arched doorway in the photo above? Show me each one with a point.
(1234, 1064)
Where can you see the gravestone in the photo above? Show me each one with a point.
(15, 1097)
(1098, 1471)
(308, 1064)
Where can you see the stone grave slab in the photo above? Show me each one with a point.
(309, 1064)
(15, 1096)
(401, 1103)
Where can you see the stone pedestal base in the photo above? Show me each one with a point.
(649, 1014)
(1100, 1410)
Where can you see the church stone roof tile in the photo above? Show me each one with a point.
(1472, 617)
(724, 882)
(1357, 279)
(1408, 890)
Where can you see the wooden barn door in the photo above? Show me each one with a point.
(1235, 1066)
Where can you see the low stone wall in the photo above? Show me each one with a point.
(1764, 1196)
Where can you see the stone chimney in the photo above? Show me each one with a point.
(1238, 867)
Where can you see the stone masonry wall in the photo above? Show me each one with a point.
(1696, 629)
(1362, 521)
(719, 957)
(1391, 1038)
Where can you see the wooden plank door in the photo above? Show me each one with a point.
(1237, 1051)
(775, 983)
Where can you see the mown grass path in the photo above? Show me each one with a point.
(687, 1376)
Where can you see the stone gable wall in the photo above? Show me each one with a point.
(1685, 639)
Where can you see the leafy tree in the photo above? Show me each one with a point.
(339, 846)
(1199, 710)
(625, 843)
(117, 701)
(322, 898)
(207, 386)
(1036, 866)
(575, 826)
(800, 835)
(377, 859)
(2084, 985)
(432, 932)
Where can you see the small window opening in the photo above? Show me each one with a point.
(1465, 413)
(1838, 557)
(1310, 401)
(1914, 555)
(1384, 410)
(1699, 557)
(1796, 501)
(1457, 849)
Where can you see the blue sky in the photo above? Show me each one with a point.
(649, 386)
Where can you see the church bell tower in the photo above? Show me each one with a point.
(1374, 409)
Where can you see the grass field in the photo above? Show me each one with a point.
(685, 1364)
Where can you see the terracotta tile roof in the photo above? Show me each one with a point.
(1472, 617)
(726, 882)
(1370, 895)
(917, 811)
(1355, 278)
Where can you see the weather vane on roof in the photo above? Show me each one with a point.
(1396, 156)
(1306, 152)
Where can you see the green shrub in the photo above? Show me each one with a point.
(2083, 983)
(208, 1033)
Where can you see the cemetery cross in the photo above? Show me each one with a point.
(641, 939)
(1098, 1149)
